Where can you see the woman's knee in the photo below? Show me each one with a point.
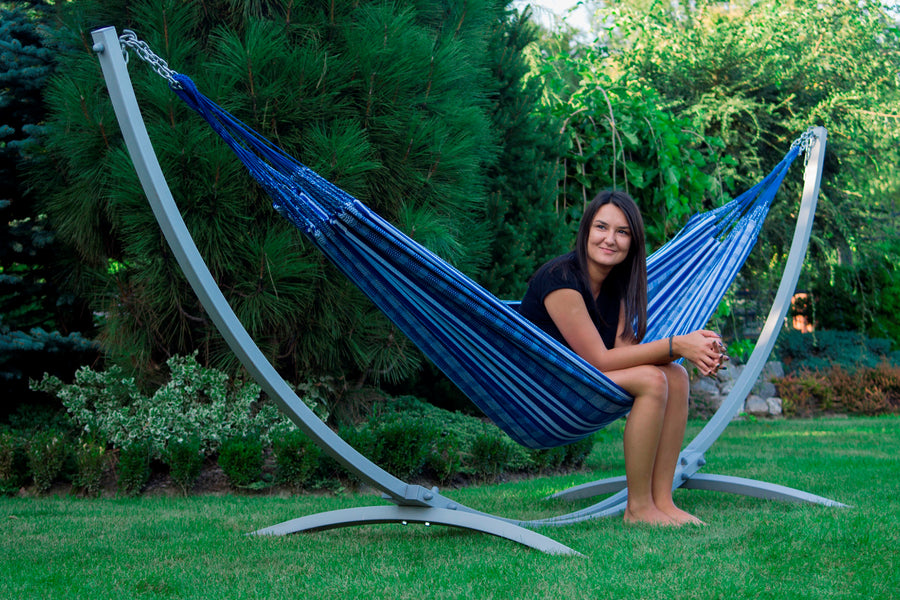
(677, 376)
(654, 383)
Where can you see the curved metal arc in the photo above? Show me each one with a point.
(755, 489)
(201, 280)
(407, 514)
(766, 342)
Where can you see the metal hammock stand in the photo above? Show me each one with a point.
(409, 503)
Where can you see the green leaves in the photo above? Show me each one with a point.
(621, 137)
(387, 100)
(715, 94)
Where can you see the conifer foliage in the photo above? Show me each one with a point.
(390, 101)
(40, 324)
(522, 209)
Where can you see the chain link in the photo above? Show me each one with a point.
(129, 39)
(806, 141)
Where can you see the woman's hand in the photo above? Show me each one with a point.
(703, 348)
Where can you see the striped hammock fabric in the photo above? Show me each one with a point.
(535, 389)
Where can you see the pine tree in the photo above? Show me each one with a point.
(41, 324)
(528, 228)
(389, 101)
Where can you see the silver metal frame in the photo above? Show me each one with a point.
(411, 503)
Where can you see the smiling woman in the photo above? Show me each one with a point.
(594, 300)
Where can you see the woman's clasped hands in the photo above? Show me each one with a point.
(704, 349)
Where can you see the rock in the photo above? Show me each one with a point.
(774, 369)
(756, 406)
(775, 406)
(729, 373)
(725, 387)
(764, 388)
(705, 399)
(705, 386)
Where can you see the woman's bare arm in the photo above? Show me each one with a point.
(568, 311)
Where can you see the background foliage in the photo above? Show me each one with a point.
(464, 124)
(409, 106)
(41, 320)
(756, 75)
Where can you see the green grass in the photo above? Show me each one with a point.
(195, 547)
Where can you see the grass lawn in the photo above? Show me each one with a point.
(195, 547)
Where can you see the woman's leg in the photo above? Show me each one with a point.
(643, 431)
(670, 441)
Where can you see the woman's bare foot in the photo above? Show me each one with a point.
(680, 517)
(648, 515)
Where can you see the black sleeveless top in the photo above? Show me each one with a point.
(563, 273)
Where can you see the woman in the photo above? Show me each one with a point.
(594, 300)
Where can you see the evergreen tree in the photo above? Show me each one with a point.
(389, 101)
(40, 322)
(529, 228)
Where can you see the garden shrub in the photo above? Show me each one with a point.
(445, 456)
(867, 391)
(410, 437)
(296, 457)
(864, 391)
(407, 437)
(47, 452)
(195, 399)
(241, 458)
(28, 419)
(549, 459)
(91, 460)
(184, 457)
(577, 452)
(12, 472)
(404, 443)
(821, 350)
(133, 467)
(465, 429)
(489, 454)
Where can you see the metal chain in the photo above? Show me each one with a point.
(129, 39)
(806, 141)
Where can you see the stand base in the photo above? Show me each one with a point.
(755, 489)
(413, 514)
(700, 481)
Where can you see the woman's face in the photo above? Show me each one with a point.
(609, 239)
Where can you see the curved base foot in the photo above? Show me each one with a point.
(697, 481)
(409, 514)
(591, 489)
(754, 489)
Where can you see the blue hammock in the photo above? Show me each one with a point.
(538, 391)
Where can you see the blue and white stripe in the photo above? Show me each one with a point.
(538, 391)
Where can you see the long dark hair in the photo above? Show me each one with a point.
(629, 278)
